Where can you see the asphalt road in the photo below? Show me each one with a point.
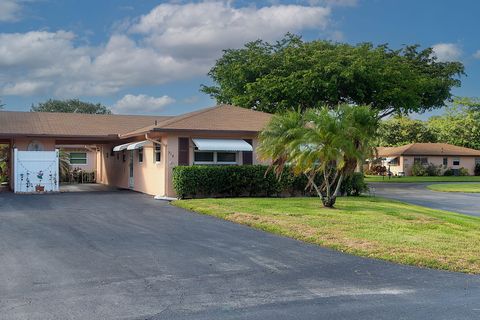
(417, 193)
(122, 255)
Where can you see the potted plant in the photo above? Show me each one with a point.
(39, 187)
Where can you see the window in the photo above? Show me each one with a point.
(78, 158)
(420, 160)
(394, 162)
(211, 157)
(445, 161)
(230, 157)
(140, 155)
(456, 161)
(157, 153)
(204, 156)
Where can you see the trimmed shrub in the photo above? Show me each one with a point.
(249, 180)
(433, 170)
(430, 170)
(354, 185)
(418, 170)
(449, 172)
(477, 169)
(463, 172)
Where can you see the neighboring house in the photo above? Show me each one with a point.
(401, 159)
(139, 152)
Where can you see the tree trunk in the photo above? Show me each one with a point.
(329, 202)
(330, 199)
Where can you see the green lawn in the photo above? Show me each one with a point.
(456, 187)
(364, 226)
(423, 179)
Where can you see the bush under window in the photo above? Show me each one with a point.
(429, 170)
(477, 169)
(248, 180)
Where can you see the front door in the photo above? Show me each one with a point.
(130, 166)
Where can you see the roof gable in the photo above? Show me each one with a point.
(218, 118)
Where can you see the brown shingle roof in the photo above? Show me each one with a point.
(71, 124)
(218, 118)
(427, 149)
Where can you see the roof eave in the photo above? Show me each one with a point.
(61, 136)
(207, 131)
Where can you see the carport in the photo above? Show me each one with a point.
(33, 140)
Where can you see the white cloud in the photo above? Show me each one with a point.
(9, 10)
(171, 42)
(447, 51)
(141, 104)
(25, 88)
(340, 3)
(476, 55)
(203, 29)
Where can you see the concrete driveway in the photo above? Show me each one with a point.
(122, 255)
(417, 193)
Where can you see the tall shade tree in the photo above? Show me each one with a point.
(470, 103)
(401, 130)
(460, 124)
(292, 74)
(70, 106)
(322, 142)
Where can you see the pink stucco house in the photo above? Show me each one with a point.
(446, 156)
(139, 152)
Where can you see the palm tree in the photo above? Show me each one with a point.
(64, 164)
(320, 142)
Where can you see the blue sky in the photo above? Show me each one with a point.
(150, 57)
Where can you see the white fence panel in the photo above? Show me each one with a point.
(36, 171)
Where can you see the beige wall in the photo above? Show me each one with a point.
(398, 168)
(148, 176)
(112, 168)
(22, 143)
(406, 163)
(91, 159)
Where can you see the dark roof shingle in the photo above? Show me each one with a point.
(218, 118)
(427, 149)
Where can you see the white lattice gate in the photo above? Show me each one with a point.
(36, 171)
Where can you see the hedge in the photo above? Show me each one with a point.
(248, 180)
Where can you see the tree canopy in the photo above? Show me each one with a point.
(292, 74)
(320, 142)
(403, 130)
(70, 106)
(459, 125)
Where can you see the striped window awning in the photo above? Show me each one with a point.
(130, 146)
(222, 145)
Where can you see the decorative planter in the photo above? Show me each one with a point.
(39, 188)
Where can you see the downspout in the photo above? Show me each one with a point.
(154, 141)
